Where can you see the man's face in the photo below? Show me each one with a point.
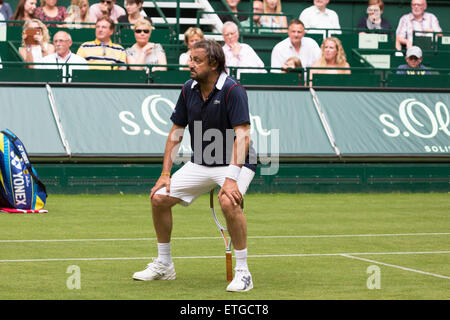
(296, 33)
(257, 8)
(62, 43)
(199, 65)
(418, 7)
(230, 35)
(413, 62)
(321, 3)
(107, 4)
(103, 31)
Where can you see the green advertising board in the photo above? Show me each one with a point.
(72, 121)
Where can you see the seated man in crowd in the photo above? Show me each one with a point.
(62, 56)
(239, 54)
(413, 61)
(296, 45)
(108, 8)
(318, 16)
(102, 49)
(257, 9)
(416, 20)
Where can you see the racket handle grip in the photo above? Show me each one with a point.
(229, 263)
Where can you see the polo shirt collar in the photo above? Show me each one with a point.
(98, 42)
(219, 84)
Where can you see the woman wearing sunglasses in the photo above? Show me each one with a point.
(108, 8)
(35, 41)
(143, 51)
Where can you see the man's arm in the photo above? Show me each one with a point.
(170, 152)
(240, 151)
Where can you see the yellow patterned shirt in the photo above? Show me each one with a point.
(97, 52)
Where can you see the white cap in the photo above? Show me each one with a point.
(414, 51)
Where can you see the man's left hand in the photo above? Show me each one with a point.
(231, 190)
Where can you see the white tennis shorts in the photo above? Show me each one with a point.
(193, 180)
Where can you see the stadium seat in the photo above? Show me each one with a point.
(30, 75)
(287, 79)
(170, 76)
(347, 80)
(418, 81)
(8, 52)
(110, 76)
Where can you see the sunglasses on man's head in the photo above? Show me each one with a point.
(140, 31)
(106, 1)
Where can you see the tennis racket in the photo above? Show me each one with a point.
(223, 230)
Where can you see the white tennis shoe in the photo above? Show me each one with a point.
(242, 281)
(156, 270)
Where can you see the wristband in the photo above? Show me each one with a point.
(165, 174)
(233, 172)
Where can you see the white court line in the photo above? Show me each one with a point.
(395, 266)
(249, 237)
(221, 257)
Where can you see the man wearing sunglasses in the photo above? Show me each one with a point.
(108, 8)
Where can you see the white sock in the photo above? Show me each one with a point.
(241, 259)
(164, 253)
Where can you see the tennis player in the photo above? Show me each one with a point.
(212, 105)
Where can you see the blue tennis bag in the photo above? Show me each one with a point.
(20, 187)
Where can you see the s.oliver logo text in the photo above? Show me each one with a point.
(417, 119)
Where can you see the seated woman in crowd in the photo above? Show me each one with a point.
(374, 21)
(191, 36)
(134, 12)
(143, 51)
(25, 10)
(273, 6)
(78, 13)
(35, 41)
(49, 11)
(333, 56)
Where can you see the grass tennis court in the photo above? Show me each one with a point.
(304, 246)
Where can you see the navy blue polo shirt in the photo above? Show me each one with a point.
(211, 122)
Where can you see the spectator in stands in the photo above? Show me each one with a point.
(5, 10)
(78, 13)
(291, 66)
(374, 20)
(102, 49)
(48, 11)
(291, 63)
(413, 64)
(25, 10)
(257, 9)
(416, 20)
(233, 4)
(333, 56)
(320, 17)
(35, 41)
(191, 36)
(273, 7)
(143, 51)
(108, 8)
(62, 42)
(134, 12)
(239, 54)
(296, 45)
